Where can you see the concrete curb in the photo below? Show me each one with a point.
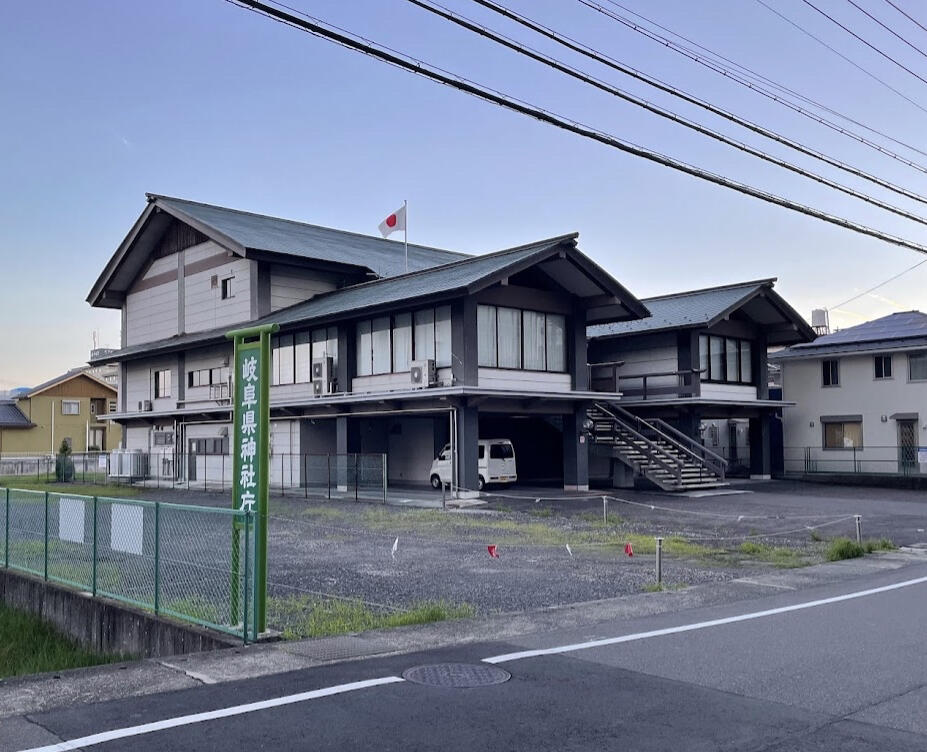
(116, 681)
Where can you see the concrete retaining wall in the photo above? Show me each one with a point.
(877, 480)
(102, 625)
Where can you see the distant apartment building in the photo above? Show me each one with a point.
(860, 398)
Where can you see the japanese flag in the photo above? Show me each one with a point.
(395, 221)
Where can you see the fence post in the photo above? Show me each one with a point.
(93, 578)
(282, 479)
(6, 533)
(355, 476)
(46, 535)
(157, 558)
(659, 561)
(859, 529)
(329, 483)
(384, 468)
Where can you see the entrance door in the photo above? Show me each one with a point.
(907, 446)
(194, 447)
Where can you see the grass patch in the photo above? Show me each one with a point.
(844, 548)
(195, 607)
(302, 616)
(26, 483)
(778, 556)
(662, 587)
(29, 646)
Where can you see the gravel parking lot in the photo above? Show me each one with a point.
(554, 548)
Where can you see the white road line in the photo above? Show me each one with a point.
(186, 720)
(700, 625)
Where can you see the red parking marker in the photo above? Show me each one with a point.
(492, 551)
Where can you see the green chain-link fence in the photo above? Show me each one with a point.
(190, 562)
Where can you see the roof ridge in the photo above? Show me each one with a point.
(717, 288)
(155, 196)
(439, 268)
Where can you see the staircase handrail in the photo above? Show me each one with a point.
(655, 451)
(719, 461)
(675, 442)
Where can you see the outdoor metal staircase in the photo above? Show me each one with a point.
(655, 450)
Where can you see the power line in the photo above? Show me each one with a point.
(734, 76)
(751, 73)
(868, 44)
(593, 54)
(856, 65)
(385, 54)
(881, 284)
(910, 18)
(890, 30)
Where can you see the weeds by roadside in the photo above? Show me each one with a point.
(844, 548)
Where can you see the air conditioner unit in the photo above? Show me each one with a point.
(323, 376)
(423, 373)
(147, 406)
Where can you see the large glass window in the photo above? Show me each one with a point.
(382, 346)
(443, 336)
(556, 342)
(843, 435)
(508, 327)
(286, 363)
(486, 335)
(917, 366)
(292, 354)
(535, 338)
(512, 338)
(425, 334)
(725, 359)
(304, 356)
(364, 350)
(402, 342)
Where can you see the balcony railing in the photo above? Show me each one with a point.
(605, 377)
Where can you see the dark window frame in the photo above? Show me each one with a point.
(707, 377)
(392, 328)
(521, 326)
(295, 334)
(162, 383)
(920, 354)
(830, 373)
(226, 292)
(879, 371)
(825, 424)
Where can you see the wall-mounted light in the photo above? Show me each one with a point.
(811, 424)
(885, 419)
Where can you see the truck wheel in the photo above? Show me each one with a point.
(435, 482)
(480, 483)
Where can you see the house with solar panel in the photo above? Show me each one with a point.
(860, 399)
(373, 358)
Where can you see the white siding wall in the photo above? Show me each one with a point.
(531, 381)
(290, 285)
(729, 391)
(140, 382)
(392, 382)
(859, 393)
(662, 357)
(152, 314)
(203, 304)
(410, 451)
(211, 470)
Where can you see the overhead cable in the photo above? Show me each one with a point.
(734, 76)
(347, 39)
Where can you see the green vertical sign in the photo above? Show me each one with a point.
(251, 453)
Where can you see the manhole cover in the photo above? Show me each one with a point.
(461, 675)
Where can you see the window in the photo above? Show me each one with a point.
(486, 335)
(292, 354)
(883, 366)
(529, 340)
(725, 360)
(70, 407)
(501, 451)
(209, 446)
(162, 384)
(112, 406)
(830, 373)
(917, 366)
(97, 406)
(208, 376)
(162, 438)
(843, 434)
(389, 344)
(227, 288)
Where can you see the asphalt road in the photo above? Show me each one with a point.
(847, 675)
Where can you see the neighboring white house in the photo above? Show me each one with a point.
(860, 398)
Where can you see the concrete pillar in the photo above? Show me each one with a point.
(464, 343)
(468, 437)
(575, 451)
(760, 447)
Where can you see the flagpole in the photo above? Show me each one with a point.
(405, 231)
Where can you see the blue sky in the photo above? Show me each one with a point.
(104, 100)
